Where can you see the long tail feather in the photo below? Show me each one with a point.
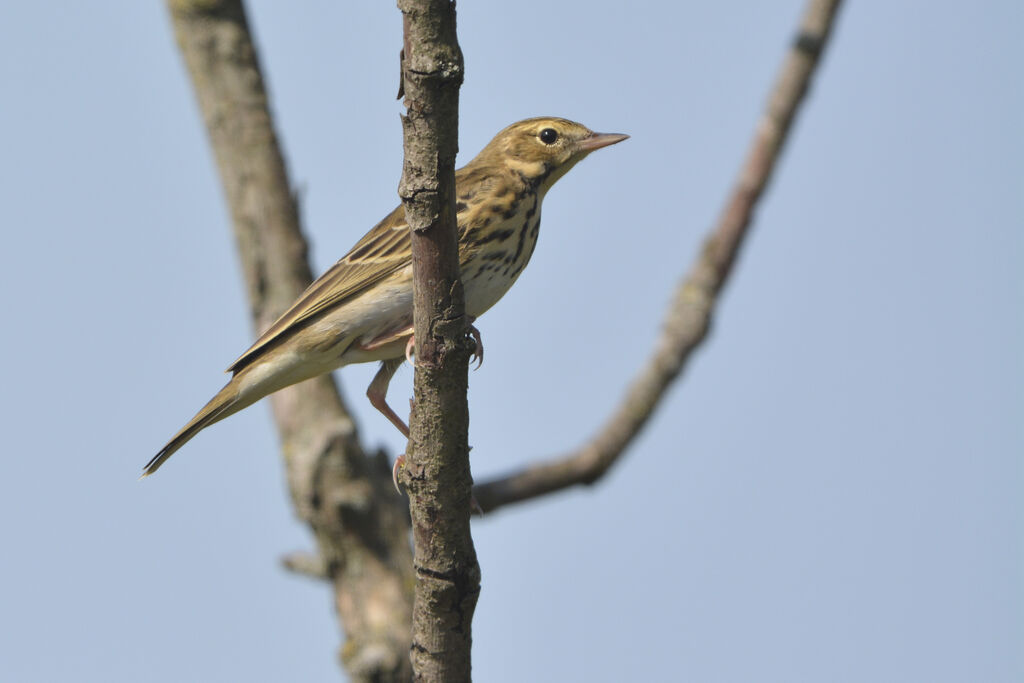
(275, 369)
(226, 402)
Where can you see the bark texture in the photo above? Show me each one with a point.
(690, 313)
(437, 474)
(343, 493)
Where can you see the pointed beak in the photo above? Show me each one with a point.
(599, 140)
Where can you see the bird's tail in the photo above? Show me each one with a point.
(228, 401)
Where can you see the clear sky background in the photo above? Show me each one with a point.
(831, 493)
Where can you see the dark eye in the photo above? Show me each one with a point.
(548, 136)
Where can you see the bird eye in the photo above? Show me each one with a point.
(548, 136)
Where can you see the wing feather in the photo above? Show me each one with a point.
(383, 251)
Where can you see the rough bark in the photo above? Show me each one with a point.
(690, 313)
(437, 474)
(343, 493)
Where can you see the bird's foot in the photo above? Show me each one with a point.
(478, 352)
(410, 347)
(396, 470)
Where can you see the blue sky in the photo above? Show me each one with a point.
(830, 493)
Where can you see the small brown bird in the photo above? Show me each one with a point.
(361, 309)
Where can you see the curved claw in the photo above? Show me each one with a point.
(478, 352)
(399, 464)
(410, 346)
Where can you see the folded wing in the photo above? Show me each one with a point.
(383, 251)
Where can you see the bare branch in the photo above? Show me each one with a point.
(437, 473)
(344, 495)
(307, 564)
(689, 315)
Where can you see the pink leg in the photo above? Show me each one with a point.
(379, 387)
(378, 390)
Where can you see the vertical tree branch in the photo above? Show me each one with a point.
(361, 527)
(437, 468)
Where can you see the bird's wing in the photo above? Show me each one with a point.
(384, 250)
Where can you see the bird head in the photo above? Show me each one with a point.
(543, 149)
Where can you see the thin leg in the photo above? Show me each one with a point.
(378, 390)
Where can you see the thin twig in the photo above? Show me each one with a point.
(689, 314)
